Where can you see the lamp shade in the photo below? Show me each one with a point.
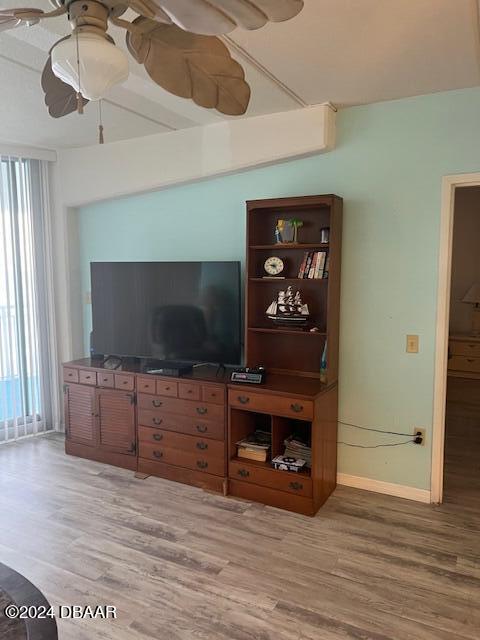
(102, 64)
(473, 294)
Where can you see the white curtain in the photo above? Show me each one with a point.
(29, 402)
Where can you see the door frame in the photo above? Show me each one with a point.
(449, 185)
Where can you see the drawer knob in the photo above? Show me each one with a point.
(189, 391)
(470, 359)
(202, 464)
(167, 388)
(296, 486)
(202, 410)
(158, 454)
(243, 473)
(157, 421)
(201, 428)
(243, 399)
(202, 446)
(125, 382)
(298, 408)
(158, 436)
(157, 403)
(87, 377)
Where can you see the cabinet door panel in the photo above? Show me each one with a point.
(80, 414)
(116, 421)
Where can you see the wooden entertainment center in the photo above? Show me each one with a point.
(186, 429)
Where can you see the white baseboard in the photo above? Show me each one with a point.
(389, 488)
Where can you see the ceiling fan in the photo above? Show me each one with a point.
(174, 39)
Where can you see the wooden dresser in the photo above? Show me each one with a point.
(181, 431)
(168, 427)
(464, 356)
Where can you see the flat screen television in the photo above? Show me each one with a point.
(182, 311)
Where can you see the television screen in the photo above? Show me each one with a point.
(187, 311)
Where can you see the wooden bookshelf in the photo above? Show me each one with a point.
(293, 399)
(268, 347)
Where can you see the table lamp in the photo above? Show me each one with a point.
(473, 297)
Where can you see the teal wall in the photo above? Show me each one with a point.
(388, 167)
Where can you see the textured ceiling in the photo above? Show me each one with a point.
(343, 51)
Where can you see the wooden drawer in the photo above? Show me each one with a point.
(70, 375)
(125, 382)
(196, 461)
(460, 348)
(105, 380)
(463, 363)
(181, 424)
(204, 410)
(215, 394)
(86, 376)
(296, 483)
(276, 405)
(280, 499)
(146, 385)
(189, 391)
(207, 448)
(167, 388)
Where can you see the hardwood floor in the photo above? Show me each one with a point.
(181, 564)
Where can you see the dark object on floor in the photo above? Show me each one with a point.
(17, 590)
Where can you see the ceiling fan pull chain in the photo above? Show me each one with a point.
(79, 95)
(100, 124)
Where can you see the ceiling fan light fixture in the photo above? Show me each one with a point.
(102, 64)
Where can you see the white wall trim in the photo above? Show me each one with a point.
(19, 151)
(388, 488)
(139, 165)
(449, 184)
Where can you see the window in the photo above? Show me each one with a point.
(25, 384)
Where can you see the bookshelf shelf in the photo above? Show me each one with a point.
(290, 245)
(288, 332)
(280, 280)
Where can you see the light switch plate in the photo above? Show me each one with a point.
(88, 298)
(412, 344)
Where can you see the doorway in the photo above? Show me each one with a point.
(456, 424)
(462, 417)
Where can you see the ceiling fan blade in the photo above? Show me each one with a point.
(217, 17)
(60, 97)
(190, 66)
(149, 9)
(11, 18)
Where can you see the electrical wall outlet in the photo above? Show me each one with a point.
(412, 344)
(419, 436)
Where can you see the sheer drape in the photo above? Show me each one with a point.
(28, 378)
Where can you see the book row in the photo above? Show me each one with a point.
(314, 265)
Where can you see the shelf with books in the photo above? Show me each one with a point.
(280, 280)
(256, 464)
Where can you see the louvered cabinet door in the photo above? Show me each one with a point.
(116, 420)
(80, 425)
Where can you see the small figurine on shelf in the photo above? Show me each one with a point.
(286, 231)
(296, 224)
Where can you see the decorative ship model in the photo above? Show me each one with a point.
(288, 309)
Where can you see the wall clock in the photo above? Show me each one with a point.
(274, 266)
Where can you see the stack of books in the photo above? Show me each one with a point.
(298, 449)
(256, 446)
(314, 265)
